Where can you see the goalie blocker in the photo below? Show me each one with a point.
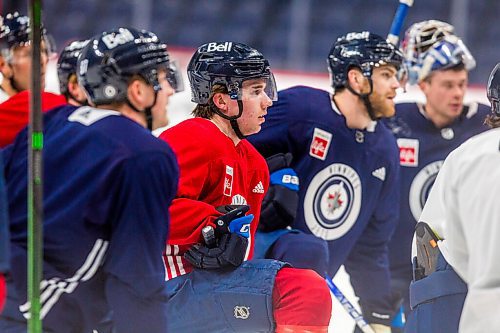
(436, 290)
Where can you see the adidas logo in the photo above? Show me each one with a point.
(379, 173)
(259, 188)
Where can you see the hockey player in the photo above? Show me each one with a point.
(108, 184)
(347, 163)
(212, 288)
(15, 69)
(461, 216)
(438, 61)
(66, 72)
(4, 238)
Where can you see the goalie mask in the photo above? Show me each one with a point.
(493, 90)
(432, 45)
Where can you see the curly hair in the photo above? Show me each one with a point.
(492, 121)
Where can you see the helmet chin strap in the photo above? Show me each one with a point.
(233, 120)
(365, 98)
(147, 111)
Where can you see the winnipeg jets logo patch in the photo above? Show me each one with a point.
(333, 201)
(408, 152)
(421, 187)
(379, 173)
(320, 144)
(228, 181)
(259, 188)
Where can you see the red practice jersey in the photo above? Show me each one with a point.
(14, 113)
(213, 172)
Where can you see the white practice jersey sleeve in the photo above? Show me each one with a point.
(463, 208)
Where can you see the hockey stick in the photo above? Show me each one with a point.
(397, 21)
(35, 173)
(351, 310)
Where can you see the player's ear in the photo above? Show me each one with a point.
(136, 92)
(355, 78)
(220, 101)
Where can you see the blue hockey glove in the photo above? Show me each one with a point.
(279, 207)
(225, 245)
(231, 213)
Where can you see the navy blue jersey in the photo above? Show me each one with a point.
(423, 148)
(108, 184)
(4, 226)
(348, 182)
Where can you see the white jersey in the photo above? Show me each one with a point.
(463, 208)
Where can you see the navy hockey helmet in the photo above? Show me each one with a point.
(432, 45)
(66, 64)
(227, 64)
(493, 90)
(363, 50)
(110, 59)
(15, 30)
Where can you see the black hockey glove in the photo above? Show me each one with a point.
(226, 245)
(229, 251)
(279, 206)
(380, 320)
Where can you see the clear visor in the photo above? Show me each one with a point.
(174, 76)
(256, 87)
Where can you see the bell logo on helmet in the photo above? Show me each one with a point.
(113, 40)
(357, 35)
(224, 47)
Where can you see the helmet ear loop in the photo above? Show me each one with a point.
(149, 113)
(234, 122)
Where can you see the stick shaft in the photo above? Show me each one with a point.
(35, 173)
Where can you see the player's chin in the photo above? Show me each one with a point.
(254, 130)
(389, 110)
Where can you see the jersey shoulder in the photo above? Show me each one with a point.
(302, 103)
(110, 128)
(197, 137)
(485, 143)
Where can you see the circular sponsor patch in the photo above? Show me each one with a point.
(421, 186)
(333, 201)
